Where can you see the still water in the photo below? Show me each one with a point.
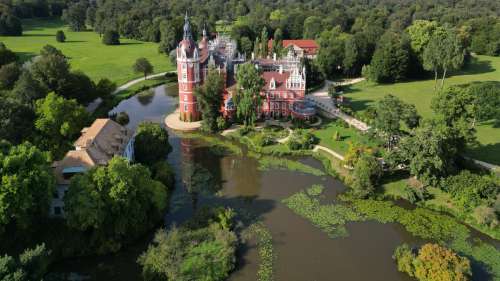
(304, 253)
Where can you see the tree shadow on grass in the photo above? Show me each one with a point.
(75, 41)
(25, 56)
(130, 43)
(475, 66)
(489, 153)
(39, 35)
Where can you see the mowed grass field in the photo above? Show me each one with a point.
(420, 93)
(86, 52)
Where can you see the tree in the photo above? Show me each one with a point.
(351, 57)
(389, 112)
(142, 65)
(77, 85)
(486, 100)
(90, 16)
(433, 262)
(277, 47)
(75, 16)
(264, 37)
(331, 52)
(105, 88)
(420, 33)
(59, 122)
(247, 98)
(27, 90)
(27, 184)
(10, 25)
(9, 74)
(122, 118)
(209, 97)
(443, 52)
(32, 264)
(457, 107)
(60, 36)
(114, 204)
(246, 45)
(174, 256)
(366, 175)
(50, 68)
(6, 55)
(16, 118)
(151, 143)
(391, 59)
(431, 151)
(312, 27)
(111, 37)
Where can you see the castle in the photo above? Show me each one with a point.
(285, 80)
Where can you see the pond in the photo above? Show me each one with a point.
(303, 251)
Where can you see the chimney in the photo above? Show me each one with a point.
(281, 69)
(253, 56)
(274, 56)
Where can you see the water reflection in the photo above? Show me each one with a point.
(206, 178)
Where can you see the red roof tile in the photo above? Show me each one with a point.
(279, 78)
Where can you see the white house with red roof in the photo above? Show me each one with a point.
(301, 47)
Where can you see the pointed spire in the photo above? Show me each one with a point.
(187, 28)
(204, 30)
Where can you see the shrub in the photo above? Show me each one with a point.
(60, 36)
(366, 174)
(222, 123)
(485, 216)
(122, 118)
(111, 37)
(470, 190)
(301, 139)
(263, 139)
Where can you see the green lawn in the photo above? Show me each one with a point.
(347, 135)
(86, 52)
(420, 93)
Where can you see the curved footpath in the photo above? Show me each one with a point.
(138, 80)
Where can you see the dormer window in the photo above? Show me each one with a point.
(272, 84)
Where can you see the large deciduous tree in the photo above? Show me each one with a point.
(444, 52)
(75, 15)
(59, 122)
(151, 143)
(247, 98)
(457, 107)
(209, 97)
(142, 65)
(331, 52)
(390, 61)
(433, 262)
(27, 184)
(390, 111)
(6, 55)
(114, 204)
(366, 174)
(430, 152)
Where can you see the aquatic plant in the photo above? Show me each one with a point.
(267, 254)
(330, 218)
(269, 162)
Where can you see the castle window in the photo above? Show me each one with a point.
(196, 72)
(272, 84)
(185, 97)
(185, 107)
(184, 72)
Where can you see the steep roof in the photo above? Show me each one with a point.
(96, 146)
(279, 79)
(301, 43)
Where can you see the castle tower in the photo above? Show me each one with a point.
(188, 74)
